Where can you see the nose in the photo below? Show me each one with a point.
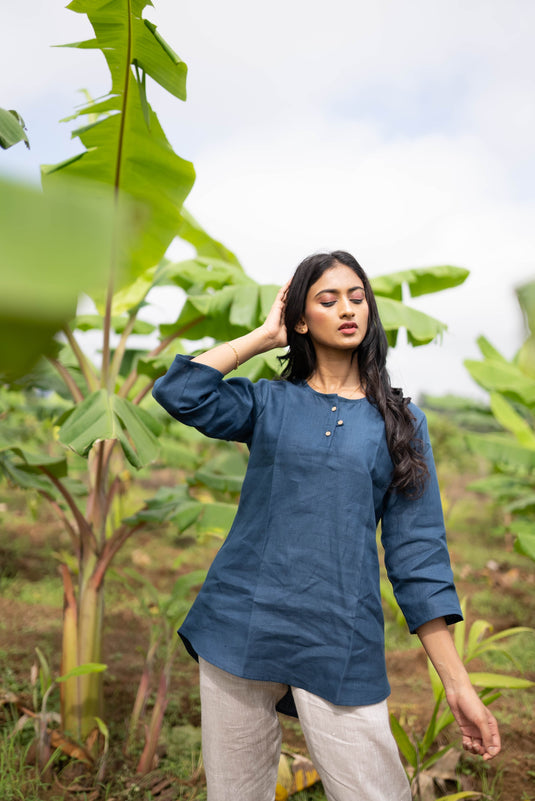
(346, 308)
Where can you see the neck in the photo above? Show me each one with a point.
(336, 375)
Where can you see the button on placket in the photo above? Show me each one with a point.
(330, 431)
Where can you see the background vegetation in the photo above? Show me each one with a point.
(129, 507)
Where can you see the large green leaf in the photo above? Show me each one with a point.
(493, 374)
(53, 247)
(216, 518)
(421, 328)
(420, 281)
(488, 350)
(500, 681)
(501, 449)
(214, 267)
(197, 275)
(228, 313)
(403, 742)
(120, 30)
(102, 416)
(127, 149)
(512, 421)
(12, 129)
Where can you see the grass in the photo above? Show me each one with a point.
(19, 780)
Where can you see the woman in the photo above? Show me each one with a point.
(289, 616)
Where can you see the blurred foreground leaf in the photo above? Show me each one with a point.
(53, 248)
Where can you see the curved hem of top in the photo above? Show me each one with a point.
(192, 651)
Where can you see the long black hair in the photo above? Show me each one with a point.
(410, 469)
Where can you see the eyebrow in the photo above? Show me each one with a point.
(337, 291)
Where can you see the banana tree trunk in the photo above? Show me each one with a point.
(81, 696)
(91, 608)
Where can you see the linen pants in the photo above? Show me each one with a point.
(352, 748)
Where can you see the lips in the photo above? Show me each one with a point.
(348, 327)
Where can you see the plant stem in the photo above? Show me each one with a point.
(121, 347)
(69, 690)
(69, 380)
(141, 696)
(107, 374)
(155, 726)
(63, 517)
(87, 371)
(114, 544)
(86, 534)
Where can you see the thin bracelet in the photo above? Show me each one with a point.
(235, 353)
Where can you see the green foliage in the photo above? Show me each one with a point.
(18, 780)
(511, 451)
(421, 328)
(421, 752)
(103, 416)
(126, 148)
(12, 129)
(108, 239)
(40, 235)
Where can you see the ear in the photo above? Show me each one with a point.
(301, 326)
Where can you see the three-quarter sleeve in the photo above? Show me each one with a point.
(416, 553)
(196, 394)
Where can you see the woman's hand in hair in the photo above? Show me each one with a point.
(273, 326)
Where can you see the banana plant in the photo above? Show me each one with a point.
(511, 450)
(136, 186)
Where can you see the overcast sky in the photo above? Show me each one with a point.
(402, 132)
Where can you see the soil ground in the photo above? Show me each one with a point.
(24, 624)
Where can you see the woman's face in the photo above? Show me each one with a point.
(336, 310)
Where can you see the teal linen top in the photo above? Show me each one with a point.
(293, 595)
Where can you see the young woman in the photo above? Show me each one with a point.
(289, 616)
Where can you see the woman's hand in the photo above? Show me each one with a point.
(478, 725)
(271, 334)
(273, 326)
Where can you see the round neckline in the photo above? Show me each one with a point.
(331, 394)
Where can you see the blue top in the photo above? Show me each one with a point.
(293, 596)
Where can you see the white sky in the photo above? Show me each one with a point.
(402, 132)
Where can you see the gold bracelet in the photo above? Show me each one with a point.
(235, 353)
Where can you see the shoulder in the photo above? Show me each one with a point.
(417, 413)
(276, 390)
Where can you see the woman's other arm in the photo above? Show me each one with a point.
(478, 725)
(271, 334)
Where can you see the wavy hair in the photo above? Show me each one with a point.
(410, 469)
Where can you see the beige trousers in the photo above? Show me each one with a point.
(352, 748)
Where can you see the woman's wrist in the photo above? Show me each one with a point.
(440, 649)
(229, 355)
